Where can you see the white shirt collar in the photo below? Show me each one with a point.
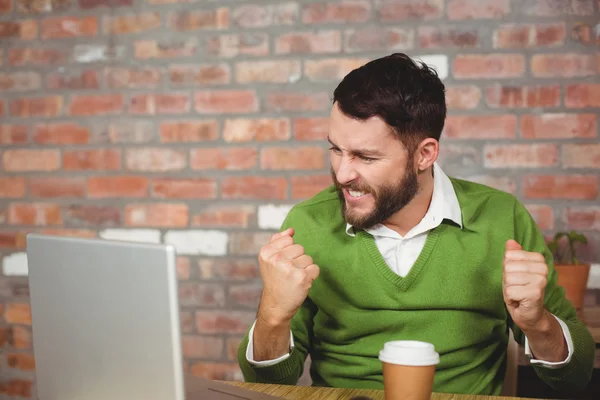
(444, 205)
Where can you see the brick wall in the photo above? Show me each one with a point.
(199, 123)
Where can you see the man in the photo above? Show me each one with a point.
(397, 250)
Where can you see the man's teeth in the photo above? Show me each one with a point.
(355, 193)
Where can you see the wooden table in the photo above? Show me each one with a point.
(317, 393)
(591, 318)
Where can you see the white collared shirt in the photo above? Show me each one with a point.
(401, 252)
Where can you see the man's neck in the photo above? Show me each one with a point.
(411, 214)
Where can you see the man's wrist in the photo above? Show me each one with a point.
(543, 328)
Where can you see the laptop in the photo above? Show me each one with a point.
(105, 321)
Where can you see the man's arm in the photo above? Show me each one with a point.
(546, 338)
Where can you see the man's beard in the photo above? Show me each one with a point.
(388, 199)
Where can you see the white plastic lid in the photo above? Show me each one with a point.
(409, 352)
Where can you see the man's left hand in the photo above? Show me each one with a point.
(523, 284)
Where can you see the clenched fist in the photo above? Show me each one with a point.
(287, 275)
(524, 283)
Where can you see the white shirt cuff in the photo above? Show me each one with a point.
(265, 363)
(556, 364)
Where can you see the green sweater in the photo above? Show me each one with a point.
(452, 297)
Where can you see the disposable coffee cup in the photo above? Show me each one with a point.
(408, 369)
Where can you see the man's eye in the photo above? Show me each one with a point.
(367, 159)
(334, 149)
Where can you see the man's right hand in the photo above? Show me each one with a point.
(287, 275)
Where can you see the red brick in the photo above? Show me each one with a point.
(2, 107)
(522, 36)
(582, 95)
(304, 187)
(543, 216)
(17, 387)
(20, 337)
(479, 9)
(503, 183)
(201, 295)
(42, 6)
(90, 4)
(474, 66)
(581, 156)
(217, 371)
(564, 65)
(346, 11)
(117, 186)
(131, 23)
(192, 188)
(520, 155)
(156, 159)
(20, 81)
(94, 215)
(458, 156)
(81, 233)
(186, 319)
(189, 131)
(297, 101)
(260, 130)
(558, 126)
(481, 127)
(224, 216)
(12, 187)
(122, 78)
(247, 243)
(232, 269)
(159, 103)
(13, 134)
(223, 158)
(319, 42)
(254, 187)
(229, 322)
(34, 214)
(66, 27)
(432, 37)
(5, 6)
(62, 133)
(165, 48)
(24, 29)
(283, 71)
(226, 101)
(378, 38)
(157, 215)
(232, 345)
(36, 56)
(537, 96)
(31, 160)
(409, 10)
(584, 33)
(242, 44)
(183, 268)
(49, 106)
(199, 19)
(101, 104)
(54, 187)
(73, 80)
(97, 159)
(464, 97)
(554, 8)
(583, 218)
(331, 69)
(130, 131)
(571, 187)
(21, 361)
(292, 158)
(204, 347)
(186, 75)
(245, 295)
(255, 16)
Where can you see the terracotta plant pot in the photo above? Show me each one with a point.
(574, 278)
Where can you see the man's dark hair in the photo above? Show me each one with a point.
(407, 95)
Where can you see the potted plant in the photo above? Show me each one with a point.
(572, 274)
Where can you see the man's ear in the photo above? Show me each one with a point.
(426, 154)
